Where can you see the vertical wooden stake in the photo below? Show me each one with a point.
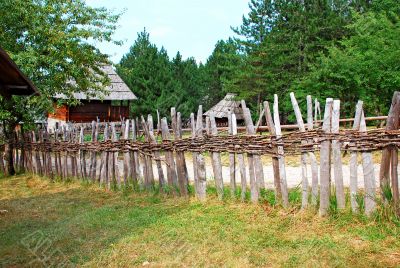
(200, 162)
(304, 179)
(136, 172)
(194, 156)
(353, 161)
(216, 161)
(325, 165)
(157, 155)
(169, 156)
(254, 193)
(149, 177)
(126, 154)
(369, 174)
(313, 159)
(180, 157)
(232, 127)
(337, 157)
(281, 157)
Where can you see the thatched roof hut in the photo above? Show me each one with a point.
(110, 106)
(227, 104)
(117, 90)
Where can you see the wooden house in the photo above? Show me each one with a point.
(222, 109)
(111, 106)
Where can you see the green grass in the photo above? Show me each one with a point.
(96, 228)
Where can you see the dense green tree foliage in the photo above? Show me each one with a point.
(52, 42)
(161, 83)
(337, 48)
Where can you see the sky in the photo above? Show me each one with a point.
(191, 27)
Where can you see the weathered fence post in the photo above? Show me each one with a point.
(337, 158)
(254, 193)
(313, 159)
(278, 161)
(325, 161)
(300, 123)
(126, 153)
(216, 161)
(369, 174)
(135, 166)
(241, 163)
(114, 158)
(169, 156)
(200, 162)
(353, 161)
(232, 130)
(388, 157)
(156, 153)
(194, 155)
(180, 157)
(149, 178)
(104, 178)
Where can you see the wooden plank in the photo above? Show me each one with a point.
(369, 174)
(304, 179)
(232, 125)
(216, 161)
(353, 161)
(337, 157)
(325, 162)
(103, 174)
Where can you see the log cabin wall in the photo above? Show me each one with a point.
(89, 111)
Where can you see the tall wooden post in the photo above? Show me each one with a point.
(216, 161)
(325, 161)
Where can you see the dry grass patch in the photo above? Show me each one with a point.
(95, 228)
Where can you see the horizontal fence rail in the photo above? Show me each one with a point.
(133, 152)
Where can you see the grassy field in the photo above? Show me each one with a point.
(88, 226)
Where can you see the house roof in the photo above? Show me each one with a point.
(12, 80)
(117, 90)
(226, 105)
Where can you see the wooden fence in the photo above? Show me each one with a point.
(132, 155)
